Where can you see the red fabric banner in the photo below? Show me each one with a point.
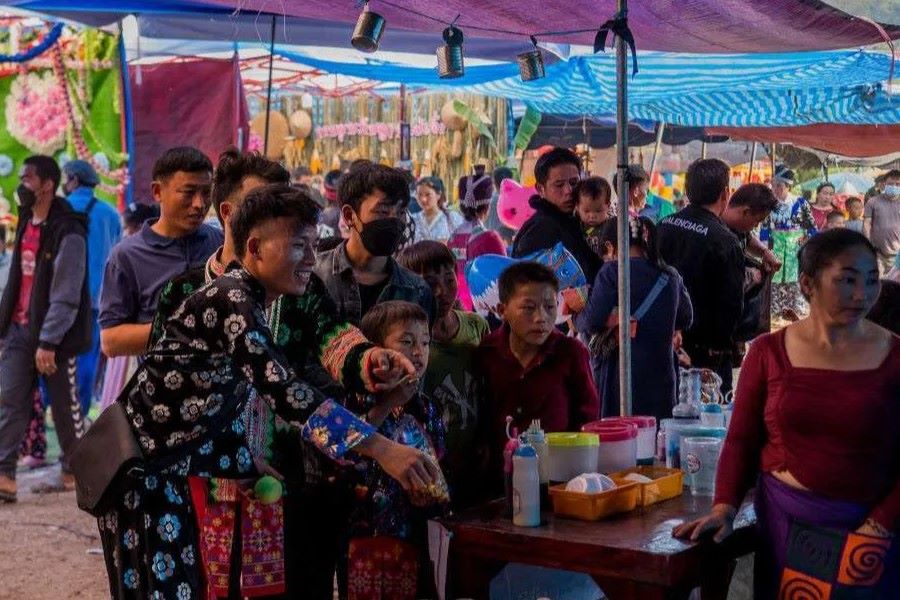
(197, 103)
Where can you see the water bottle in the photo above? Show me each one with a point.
(536, 439)
(712, 415)
(526, 483)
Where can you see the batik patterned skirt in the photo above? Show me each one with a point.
(808, 548)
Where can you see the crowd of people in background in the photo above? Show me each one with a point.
(326, 338)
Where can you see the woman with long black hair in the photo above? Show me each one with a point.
(816, 430)
(660, 305)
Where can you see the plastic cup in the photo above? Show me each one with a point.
(699, 459)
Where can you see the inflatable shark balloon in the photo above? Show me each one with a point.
(483, 276)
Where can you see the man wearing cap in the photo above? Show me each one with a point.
(104, 232)
(785, 230)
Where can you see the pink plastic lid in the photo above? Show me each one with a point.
(639, 420)
(612, 432)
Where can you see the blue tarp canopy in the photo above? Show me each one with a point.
(736, 90)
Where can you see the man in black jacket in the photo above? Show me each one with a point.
(557, 173)
(708, 255)
(45, 319)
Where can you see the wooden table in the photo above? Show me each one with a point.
(629, 556)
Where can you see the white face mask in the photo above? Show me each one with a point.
(892, 190)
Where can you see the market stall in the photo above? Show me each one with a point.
(629, 549)
(631, 556)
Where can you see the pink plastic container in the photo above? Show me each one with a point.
(646, 440)
(618, 445)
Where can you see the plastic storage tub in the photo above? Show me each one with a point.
(618, 445)
(646, 439)
(666, 484)
(571, 454)
(591, 507)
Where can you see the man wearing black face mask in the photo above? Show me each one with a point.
(45, 319)
(361, 271)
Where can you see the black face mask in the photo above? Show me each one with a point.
(26, 197)
(381, 237)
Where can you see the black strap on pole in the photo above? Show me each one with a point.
(269, 88)
(618, 26)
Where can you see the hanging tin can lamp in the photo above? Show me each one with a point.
(368, 31)
(531, 64)
(450, 55)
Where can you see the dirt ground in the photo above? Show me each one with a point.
(50, 550)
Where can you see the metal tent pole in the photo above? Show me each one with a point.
(622, 191)
(752, 162)
(772, 156)
(659, 136)
(269, 87)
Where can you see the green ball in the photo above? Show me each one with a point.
(268, 489)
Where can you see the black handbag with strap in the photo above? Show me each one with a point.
(104, 456)
(109, 453)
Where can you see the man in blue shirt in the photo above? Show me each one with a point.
(104, 232)
(141, 264)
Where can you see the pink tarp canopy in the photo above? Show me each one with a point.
(715, 26)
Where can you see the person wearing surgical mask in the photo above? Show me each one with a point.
(881, 221)
(361, 271)
(45, 321)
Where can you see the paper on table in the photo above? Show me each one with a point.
(438, 549)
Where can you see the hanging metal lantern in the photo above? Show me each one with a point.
(368, 31)
(450, 55)
(531, 65)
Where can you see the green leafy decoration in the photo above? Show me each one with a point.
(528, 125)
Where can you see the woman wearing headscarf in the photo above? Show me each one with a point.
(785, 230)
(470, 240)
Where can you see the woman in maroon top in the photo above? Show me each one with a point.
(816, 427)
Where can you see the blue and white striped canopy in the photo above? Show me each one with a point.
(746, 90)
(697, 90)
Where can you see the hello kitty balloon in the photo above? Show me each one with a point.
(512, 207)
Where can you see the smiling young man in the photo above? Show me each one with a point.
(318, 344)
(141, 264)
(198, 398)
(557, 173)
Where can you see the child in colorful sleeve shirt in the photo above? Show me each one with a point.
(451, 380)
(532, 371)
(387, 522)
